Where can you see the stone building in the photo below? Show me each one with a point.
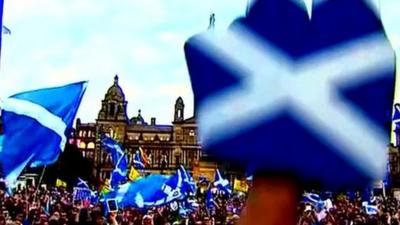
(167, 146)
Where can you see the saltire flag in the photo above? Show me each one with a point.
(284, 94)
(210, 203)
(191, 186)
(119, 160)
(370, 209)
(82, 191)
(137, 161)
(120, 172)
(35, 124)
(188, 206)
(314, 199)
(134, 174)
(150, 191)
(222, 184)
(112, 147)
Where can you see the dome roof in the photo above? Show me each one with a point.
(115, 91)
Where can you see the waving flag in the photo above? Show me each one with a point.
(221, 183)
(289, 90)
(119, 160)
(210, 203)
(189, 184)
(112, 147)
(82, 191)
(144, 157)
(370, 209)
(35, 123)
(120, 172)
(134, 174)
(150, 191)
(396, 121)
(137, 161)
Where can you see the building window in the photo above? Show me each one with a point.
(191, 133)
(82, 145)
(90, 145)
(112, 109)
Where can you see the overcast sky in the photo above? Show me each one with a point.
(54, 42)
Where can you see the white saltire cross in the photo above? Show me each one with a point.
(271, 82)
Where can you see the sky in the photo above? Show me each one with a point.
(54, 42)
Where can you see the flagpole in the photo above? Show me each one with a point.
(39, 182)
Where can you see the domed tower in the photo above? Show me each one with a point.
(113, 106)
(179, 110)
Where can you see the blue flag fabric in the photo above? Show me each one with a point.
(153, 190)
(112, 147)
(288, 88)
(1, 142)
(137, 161)
(119, 160)
(221, 183)
(210, 203)
(189, 185)
(396, 114)
(35, 125)
(82, 192)
(1, 20)
(119, 174)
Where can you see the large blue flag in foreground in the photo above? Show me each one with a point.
(308, 97)
(35, 125)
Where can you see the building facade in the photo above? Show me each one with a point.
(167, 146)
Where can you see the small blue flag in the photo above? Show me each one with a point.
(35, 125)
(210, 203)
(189, 183)
(370, 209)
(82, 192)
(221, 183)
(396, 114)
(137, 161)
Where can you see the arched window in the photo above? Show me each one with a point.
(90, 145)
(111, 109)
(82, 145)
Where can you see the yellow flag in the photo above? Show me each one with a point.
(240, 185)
(61, 183)
(106, 187)
(133, 174)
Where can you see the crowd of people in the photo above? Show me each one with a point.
(56, 206)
